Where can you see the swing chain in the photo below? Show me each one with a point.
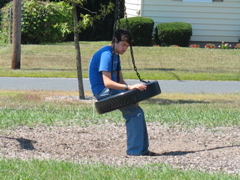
(135, 67)
(131, 49)
(118, 14)
(117, 24)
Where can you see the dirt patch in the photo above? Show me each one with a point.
(209, 150)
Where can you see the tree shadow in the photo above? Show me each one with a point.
(181, 153)
(168, 70)
(24, 143)
(153, 69)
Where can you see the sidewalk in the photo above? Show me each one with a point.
(71, 84)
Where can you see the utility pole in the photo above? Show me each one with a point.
(16, 35)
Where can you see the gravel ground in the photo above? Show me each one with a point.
(208, 150)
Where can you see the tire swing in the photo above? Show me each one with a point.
(129, 97)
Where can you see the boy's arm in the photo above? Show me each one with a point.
(109, 83)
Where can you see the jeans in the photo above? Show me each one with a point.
(137, 136)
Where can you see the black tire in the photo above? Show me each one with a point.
(127, 98)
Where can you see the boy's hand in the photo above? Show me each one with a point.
(141, 87)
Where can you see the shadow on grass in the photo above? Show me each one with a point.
(24, 143)
(152, 69)
(168, 70)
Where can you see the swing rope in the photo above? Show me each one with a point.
(119, 8)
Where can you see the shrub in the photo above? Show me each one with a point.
(41, 21)
(178, 33)
(141, 28)
(5, 23)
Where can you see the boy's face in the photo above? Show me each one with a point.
(121, 47)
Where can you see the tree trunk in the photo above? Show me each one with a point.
(78, 53)
(16, 35)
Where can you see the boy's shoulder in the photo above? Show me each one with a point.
(104, 49)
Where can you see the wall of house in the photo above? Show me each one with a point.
(211, 21)
(133, 7)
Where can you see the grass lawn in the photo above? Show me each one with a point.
(153, 63)
(190, 110)
(52, 170)
(29, 108)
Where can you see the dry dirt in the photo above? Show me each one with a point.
(209, 150)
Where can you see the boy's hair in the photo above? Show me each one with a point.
(123, 35)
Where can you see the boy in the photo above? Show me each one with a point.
(106, 79)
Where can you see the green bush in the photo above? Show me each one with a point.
(141, 28)
(41, 22)
(173, 33)
(5, 23)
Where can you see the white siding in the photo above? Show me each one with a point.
(133, 7)
(216, 21)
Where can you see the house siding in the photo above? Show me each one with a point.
(133, 7)
(211, 22)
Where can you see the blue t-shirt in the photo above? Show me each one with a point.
(102, 60)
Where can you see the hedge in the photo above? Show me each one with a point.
(141, 28)
(173, 33)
